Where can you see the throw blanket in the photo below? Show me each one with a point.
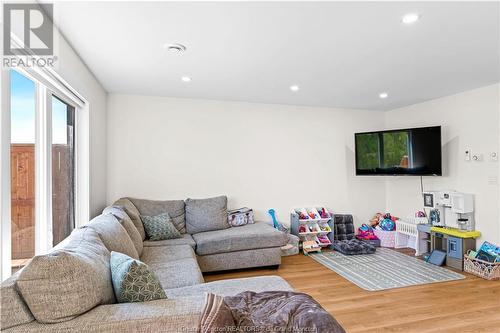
(271, 311)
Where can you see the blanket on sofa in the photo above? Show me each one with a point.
(271, 311)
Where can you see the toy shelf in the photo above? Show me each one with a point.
(313, 224)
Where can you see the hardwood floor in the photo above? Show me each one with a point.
(469, 305)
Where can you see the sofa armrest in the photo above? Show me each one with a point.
(165, 315)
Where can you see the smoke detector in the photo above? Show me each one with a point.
(175, 48)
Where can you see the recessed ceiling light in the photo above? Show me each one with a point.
(186, 79)
(294, 88)
(410, 18)
(383, 95)
(174, 48)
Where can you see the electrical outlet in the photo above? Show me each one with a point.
(477, 157)
(467, 155)
(494, 156)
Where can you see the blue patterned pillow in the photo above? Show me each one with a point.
(160, 227)
(133, 280)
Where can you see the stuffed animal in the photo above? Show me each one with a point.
(376, 219)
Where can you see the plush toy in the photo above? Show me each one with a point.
(376, 219)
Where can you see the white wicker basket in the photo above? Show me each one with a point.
(484, 269)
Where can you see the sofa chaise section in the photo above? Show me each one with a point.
(251, 245)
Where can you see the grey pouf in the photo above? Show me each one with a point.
(292, 247)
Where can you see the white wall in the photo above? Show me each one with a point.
(73, 70)
(470, 121)
(261, 156)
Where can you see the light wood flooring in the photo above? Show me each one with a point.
(469, 305)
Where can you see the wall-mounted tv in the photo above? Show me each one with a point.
(412, 151)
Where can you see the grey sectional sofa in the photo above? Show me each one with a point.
(70, 289)
(252, 245)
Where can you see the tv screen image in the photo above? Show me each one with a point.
(412, 151)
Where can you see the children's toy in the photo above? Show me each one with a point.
(419, 214)
(323, 239)
(376, 219)
(409, 235)
(387, 224)
(276, 224)
(324, 214)
(489, 252)
(303, 229)
(310, 246)
(437, 257)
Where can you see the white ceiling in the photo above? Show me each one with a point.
(341, 54)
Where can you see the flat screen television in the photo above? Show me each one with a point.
(412, 152)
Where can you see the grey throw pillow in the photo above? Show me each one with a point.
(133, 280)
(160, 227)
(206, 214)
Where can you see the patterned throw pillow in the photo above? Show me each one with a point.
(160, 227)
(133, 280)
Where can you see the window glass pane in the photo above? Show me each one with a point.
(367, 148)
(396, 149)
(62, 170)
(22, 161)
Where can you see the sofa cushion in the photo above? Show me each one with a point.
(14, 310)
(178, 273)
(186, 239)
(133, 213)
(232, 287)
(113, 235)
(65, 283)
(174, 208)
(251, 236)
(206, 214)
(133, 280)
(127, 224)
(159, 227)
(160, 316)
(162, 254)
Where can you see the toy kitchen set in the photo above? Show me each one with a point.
(451, 227)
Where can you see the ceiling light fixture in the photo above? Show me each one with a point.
(186, 79)
(174, 48)
(410, 18)
(383, 95)
(294, 88)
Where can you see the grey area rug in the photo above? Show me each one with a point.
(385, 269)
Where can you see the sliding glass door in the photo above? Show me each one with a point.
(42, 169)
(22, 169)
(63, 167)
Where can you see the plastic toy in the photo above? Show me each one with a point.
(325, 228)
(324, 214)
(419, 214)
(312, 215)
(303, 216)
(272, 212)
(323, 239)
(365, 228)
(302, 229)
(387, 224)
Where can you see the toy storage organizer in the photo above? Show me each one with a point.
(315, 228)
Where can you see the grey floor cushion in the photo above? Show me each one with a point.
(354, 246)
